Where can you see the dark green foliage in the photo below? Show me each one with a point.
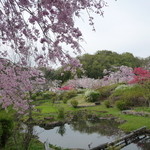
(39, 93)
(122, 104)
(33, 96)
(74, 103)
(95, 64)
(107, 104)
(106, 91)
(135, 95)
(44, 95)
(65, 100)
(37, 96)
(92, 96)
(67, 95)
(49, 95)
(61, 113)
(80, 91)
(6, 126)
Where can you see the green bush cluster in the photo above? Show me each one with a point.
(122, 104)
(64, 96)
(74, 103)
(133, 94)
(92, 96)
(107, 103)
(106, 91)
(124, 87)
(44, 95)
(80, 91)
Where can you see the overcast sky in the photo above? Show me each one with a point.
(124, 28)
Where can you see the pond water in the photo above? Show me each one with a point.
(83, 134)
(80, 134)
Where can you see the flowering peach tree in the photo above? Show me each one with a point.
(16, 85)
(142, 77)
(24, 23)
(32, 33)
(124, 74)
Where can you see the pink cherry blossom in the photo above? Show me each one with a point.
(34, 32)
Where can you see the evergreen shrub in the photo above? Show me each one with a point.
(92, 96)
(74, 103)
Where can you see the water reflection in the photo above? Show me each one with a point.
(103, 127)
(80, 133)
(86, 132)
(61, 130)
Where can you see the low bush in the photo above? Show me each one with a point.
(67, 95)
(80, 91)
(122, 105)
(107, 104)
(39, 93)
(133, 94)
(74, 103)
(71, 94)
(65, 101)
(44, 96)
(106, 91)
(39, 98)
(123, 87)
(33, 96)
(92, 96)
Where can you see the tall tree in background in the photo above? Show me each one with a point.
(95, 64)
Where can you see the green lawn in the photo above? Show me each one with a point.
(47, 109)
(132, 122)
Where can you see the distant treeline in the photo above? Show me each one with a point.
(94, 65)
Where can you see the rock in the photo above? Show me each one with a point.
(97, 103)
(49, 118)
(108, 118)
(132, 112)
(51, 125)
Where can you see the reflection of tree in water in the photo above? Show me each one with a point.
(144, 144)
(61, 130)
(102, 127)
(85, 122)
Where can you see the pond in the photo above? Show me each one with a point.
(86, 134)
(80, 134)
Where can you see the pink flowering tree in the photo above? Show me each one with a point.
(123, 74)
(34, 32)
(17, 84)
(142, 77)
(85, 82)
(50, 23)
